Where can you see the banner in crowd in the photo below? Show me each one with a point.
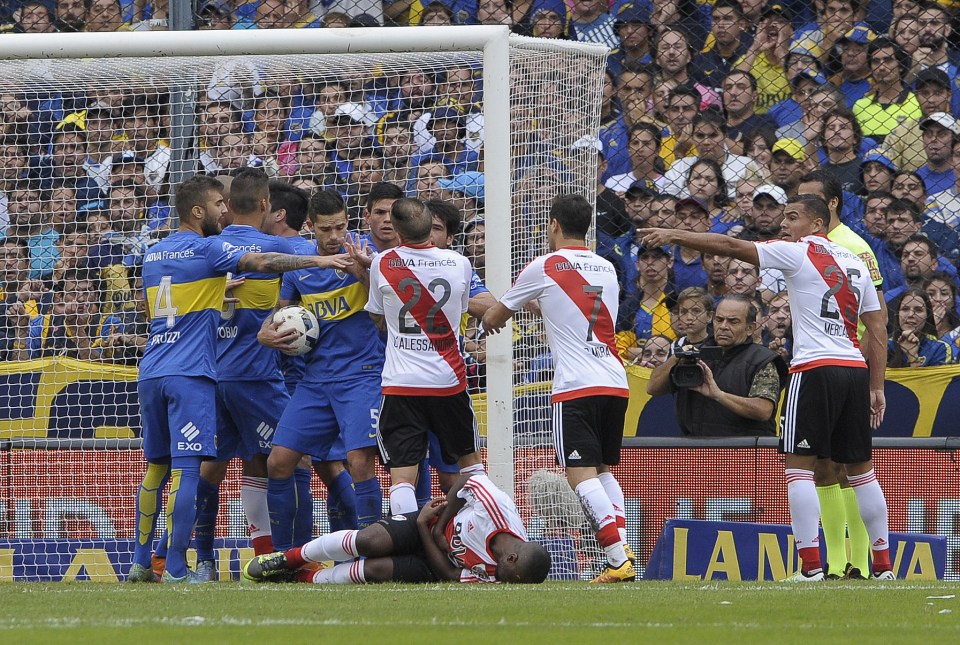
(63, 398)
(705, 550)
(921, 402)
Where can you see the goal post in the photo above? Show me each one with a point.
(529, 102)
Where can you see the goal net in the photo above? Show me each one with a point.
(96, 134)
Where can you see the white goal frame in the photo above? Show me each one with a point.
(494, 43)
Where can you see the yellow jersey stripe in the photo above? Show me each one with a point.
(337, 304)
(191, 297)
(257, 293)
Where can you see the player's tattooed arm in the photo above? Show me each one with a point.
(282, 262)
(437, 558)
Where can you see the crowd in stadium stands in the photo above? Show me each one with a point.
(713, 114)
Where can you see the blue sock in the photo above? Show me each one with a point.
(424, 488)
(282, 503)
(342, 503)
(148, 507)
(208, 503)
(303, 521)
(182, 513)
(369, 502)
(163, 544)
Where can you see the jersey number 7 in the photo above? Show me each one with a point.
(595, 293)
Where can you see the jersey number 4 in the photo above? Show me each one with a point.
(432, 326)
(163, 306)
(849, 312)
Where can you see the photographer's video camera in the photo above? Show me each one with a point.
(687, 372)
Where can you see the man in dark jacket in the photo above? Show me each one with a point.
(740, 390)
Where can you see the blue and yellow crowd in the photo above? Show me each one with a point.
(713, 115)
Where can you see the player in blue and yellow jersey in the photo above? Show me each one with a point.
(251, 393)
(289, 212)
(184, 279)
(340, 392)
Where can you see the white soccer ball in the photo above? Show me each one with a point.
(302, 320)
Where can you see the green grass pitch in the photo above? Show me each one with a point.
(556, 612)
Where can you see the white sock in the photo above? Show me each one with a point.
(873, 508)
(403, 499)
(346, 573)
(253, 499)
(612, 488)
(600, 512)
(804, 507)
(338, 547)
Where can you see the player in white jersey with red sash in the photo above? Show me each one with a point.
(578, 295)
(834, 398)
(419, 293)
(475, 534)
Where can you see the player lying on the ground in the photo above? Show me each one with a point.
(474, 535)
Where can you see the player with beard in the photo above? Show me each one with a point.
(184, 279)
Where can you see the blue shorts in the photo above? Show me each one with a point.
(337, 452)
(179, 417)
(247, 416)
(435, 457)
(321, 413)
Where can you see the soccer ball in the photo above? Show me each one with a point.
(303, 320)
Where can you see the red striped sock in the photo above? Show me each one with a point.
(881, 560)
(263, 544)
(810, 557)
(608, 535)
(295, 558)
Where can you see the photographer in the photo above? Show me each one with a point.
(739, 381)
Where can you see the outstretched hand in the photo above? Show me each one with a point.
(359, 250)
(650, 237)
(489, 327)
(340, 261)
(228, 297)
